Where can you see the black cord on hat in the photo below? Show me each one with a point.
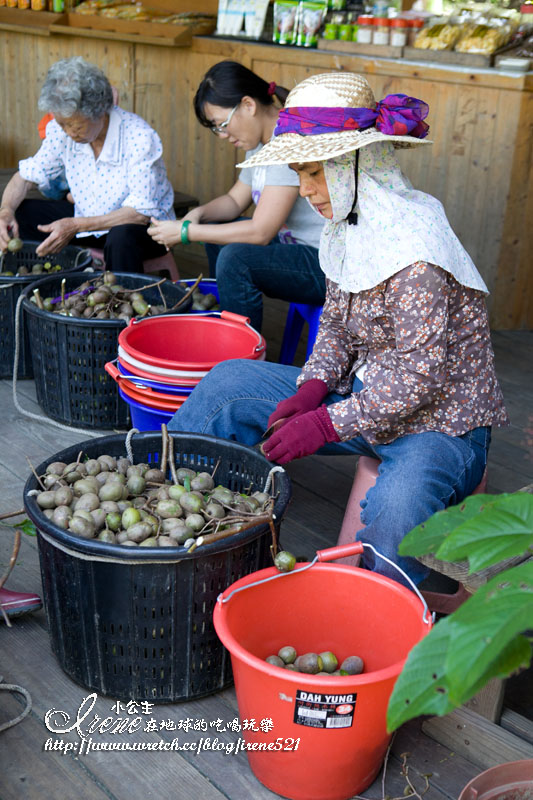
(352, 216)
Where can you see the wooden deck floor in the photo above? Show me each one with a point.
(320, 490)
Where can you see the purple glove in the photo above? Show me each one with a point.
(301, 436)
(307, 398)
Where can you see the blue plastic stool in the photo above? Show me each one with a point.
(298, 314)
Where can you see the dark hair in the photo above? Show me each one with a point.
(227, 82)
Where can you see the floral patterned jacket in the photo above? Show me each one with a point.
(425, 341)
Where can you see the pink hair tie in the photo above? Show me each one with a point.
(271, 87)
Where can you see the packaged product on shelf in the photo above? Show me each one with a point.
(311, 15)
(285, 21)
(484, 39)
(345, 32)
(365, 27)
(381, 30)
(398, 32)
(38, 5)
(94, 6)
(221, 17)
(438, 37)
(415, 26)
(254, 17)
(230, 17)
(234, 17)
(331, 30)
(126, 11)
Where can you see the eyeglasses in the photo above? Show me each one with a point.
(217, 129)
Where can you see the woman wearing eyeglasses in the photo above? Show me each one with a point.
(275, 252)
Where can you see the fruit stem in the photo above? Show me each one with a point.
(38, 300)
(187, 293)
(172, 460)
(164, 449)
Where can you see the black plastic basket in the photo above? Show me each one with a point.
(71, 259)
(136, 623)
(69, 354)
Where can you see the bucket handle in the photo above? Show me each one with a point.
(331, 554)
(226, 315)
(111, 369)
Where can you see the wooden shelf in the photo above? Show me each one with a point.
(449, 57)
(358, 49)
(34, 22)
(96, 26)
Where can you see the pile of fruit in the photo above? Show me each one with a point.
(325, 663)
(101, 297)
(204, 302)
(38, 268)
(115, 501)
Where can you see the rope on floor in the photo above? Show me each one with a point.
(12, 687)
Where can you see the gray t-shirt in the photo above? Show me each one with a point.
(302, 226)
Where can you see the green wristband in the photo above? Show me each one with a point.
(183, 233)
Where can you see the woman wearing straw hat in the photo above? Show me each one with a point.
(402, 369)
(238, 105)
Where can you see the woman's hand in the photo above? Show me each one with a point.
(300, 436)
(195, 215)
(307, 398)
(165, 232)
(61, 231)
(8, 227)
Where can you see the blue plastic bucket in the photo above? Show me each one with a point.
(206, 286)
(145, 418)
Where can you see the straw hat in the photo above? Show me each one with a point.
(327, 90)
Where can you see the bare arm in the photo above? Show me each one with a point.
(14, 193)
(272, 210)
(61, 231)
(221, 209)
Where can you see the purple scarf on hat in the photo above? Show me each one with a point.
(397, 115)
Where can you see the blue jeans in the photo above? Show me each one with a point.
(419, 474)
(245, 272)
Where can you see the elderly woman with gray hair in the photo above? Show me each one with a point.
(111, 160)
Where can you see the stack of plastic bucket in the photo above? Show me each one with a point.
(328, 734)
(162, 359)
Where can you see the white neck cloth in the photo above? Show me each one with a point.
(397, 225)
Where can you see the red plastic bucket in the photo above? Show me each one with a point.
(151, 373)
(190, 342)
(146, 395)
(329, 737)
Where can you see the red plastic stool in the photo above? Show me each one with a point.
(160, 263)
(365, 477)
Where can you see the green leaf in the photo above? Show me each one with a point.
(27, 527)
(482, 627)
(427, 537)
(425, 685)
(421, 687)
(500, 529)
(515, 656)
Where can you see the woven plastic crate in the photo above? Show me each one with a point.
(136, 623)
(71, 259)
(69, 354)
